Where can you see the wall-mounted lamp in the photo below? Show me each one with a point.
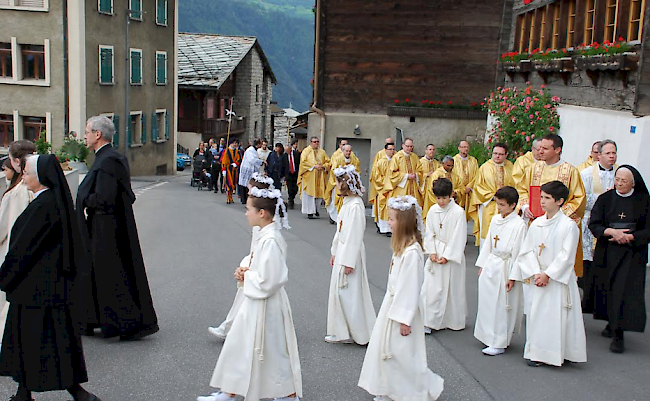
(357, 130)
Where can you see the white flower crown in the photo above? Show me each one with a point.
(272, 193)
(353, 178)
(261, 178)
(403, 203)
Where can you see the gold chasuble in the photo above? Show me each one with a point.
(540, 173)
(427, 166)
(372, 192)
(427, 194)
(587, 163)
(310, 180)
(489, 180)
(400, 166)
(521, 165)
(381, 180)
(466, 171)
(338, 160)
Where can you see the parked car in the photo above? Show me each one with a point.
(182, 160)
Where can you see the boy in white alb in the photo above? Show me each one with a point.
(443, 292)
(555, 329)
(500, 300)
(350, 314)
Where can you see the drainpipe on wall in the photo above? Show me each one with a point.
(313, 107)
(66, 74)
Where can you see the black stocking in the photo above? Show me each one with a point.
(23, 394)
(76, 391)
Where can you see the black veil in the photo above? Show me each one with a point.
(51, 175)
(639, 184)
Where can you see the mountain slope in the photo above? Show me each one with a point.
(284, 28)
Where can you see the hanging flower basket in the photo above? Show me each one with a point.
(616, 62)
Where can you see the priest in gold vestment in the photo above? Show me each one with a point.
(428, 165)
(444, 171)
(593, 157)
(404, 177)
(372, 191)
(378, 179)
(552, 168)
(493, 175)
(523, 162)
(342, 157)
(312, 176)
(465, 168)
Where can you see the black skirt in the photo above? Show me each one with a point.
(41, 349)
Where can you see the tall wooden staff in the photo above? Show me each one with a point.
(229, 122)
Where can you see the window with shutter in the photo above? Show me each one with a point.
(129, 130)
(161, 68)
(136, 67)
(105, 6)
(116, 136)
(136, 9)
(161, 12)
(154, 127)
(166, 125)
(143, 128)
(106, 65)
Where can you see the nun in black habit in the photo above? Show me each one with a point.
(41, 348)
(615, 285)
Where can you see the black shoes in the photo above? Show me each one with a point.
(389, 235)
(607, 332)
(618, 343)
(534, 364)
(147, 331)
(291, 204)
(311, 217)
(332, 221)
(317, 214)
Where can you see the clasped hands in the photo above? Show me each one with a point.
(621, 237)
(541, 279)
(239, 273)
(319, 167)
(348, 270)
(435, 259)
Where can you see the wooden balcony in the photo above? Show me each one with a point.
(219, 127)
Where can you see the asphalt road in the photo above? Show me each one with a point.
(192, 241)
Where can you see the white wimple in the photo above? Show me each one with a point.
(404, 203)
(353, 178)
(272, 193)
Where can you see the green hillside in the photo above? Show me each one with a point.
(284, 28)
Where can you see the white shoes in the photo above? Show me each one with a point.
(217, 396)
(217, 333)
(427, 330)
(287, 399)
(493, 351)
(334, 340)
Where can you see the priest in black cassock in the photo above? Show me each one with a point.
(115, 290)
(41, 348)
(615, 286)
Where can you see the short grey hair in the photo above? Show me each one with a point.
(347, 145)
(602, 144)
(104, 125)
(447, 159)
(536, 141)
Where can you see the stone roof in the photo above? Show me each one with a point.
(207, 60)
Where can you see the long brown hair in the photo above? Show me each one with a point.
(405, 232)
(20, 150)
(6, 165)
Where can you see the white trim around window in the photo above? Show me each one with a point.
(99, 64)
(162, 3)
(17, 66)
(15, 5)
(132, 9)
(131, 51)
(164, 82)
(99, 8)
(136, 137)
(161, 126)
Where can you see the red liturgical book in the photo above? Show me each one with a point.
(535, 201)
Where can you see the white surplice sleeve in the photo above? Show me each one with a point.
(269, 271)
(588, 182)
(350, 237)
(526, 265)
(455, 249)
(431, 244)
(406, 300)
(486, 250)
(517, 242)
(561, 268)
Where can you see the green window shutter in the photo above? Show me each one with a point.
(136, 67)
(143, 127)
(106, 6)
(116, 136)
(161, 69)
(129, 129)
(154, 127)
(136, 6)
(106, 66)
(167, 125)
(161, 12)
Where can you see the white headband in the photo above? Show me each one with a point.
(279, 205)
(404, 203)
(353, 178)
(263, 179)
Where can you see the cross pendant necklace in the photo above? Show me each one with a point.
(541, 248)
(443, 218)
(622, 215)
(496, 238)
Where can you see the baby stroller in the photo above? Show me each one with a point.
(199, 177)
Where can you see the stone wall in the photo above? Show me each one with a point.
(253, 96)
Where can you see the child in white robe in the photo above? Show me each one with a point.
(350, 313)
(555, 329)
(262, 182)
(259, 358)
(443, 293)
(395, 365)
(500, 300)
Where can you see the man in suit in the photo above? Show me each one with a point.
(275, 165)
(291, 161)
(114, 288)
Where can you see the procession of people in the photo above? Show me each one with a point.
(554, 243)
